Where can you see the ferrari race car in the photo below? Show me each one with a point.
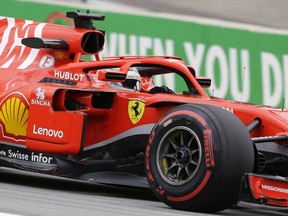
(105, 121)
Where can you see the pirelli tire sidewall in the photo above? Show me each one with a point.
(224, 143)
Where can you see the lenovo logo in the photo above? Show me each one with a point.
(47, 132)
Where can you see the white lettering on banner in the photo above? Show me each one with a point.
(122, 44)
(244, 75)
(271, 71)
(216, 60)
(216, 54)
(68, 75)
(145, 45)
(47, 132)
(159, 48)
(274, 79)
(285, 80)
(195, 56)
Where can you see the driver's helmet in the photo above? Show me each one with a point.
(133, 79)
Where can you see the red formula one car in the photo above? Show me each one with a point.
(105, 121)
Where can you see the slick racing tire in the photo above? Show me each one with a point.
(196, 157)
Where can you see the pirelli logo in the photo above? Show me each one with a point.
(209, 156)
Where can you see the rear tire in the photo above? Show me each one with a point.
(196, 157)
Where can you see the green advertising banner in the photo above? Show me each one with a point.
(245, 65)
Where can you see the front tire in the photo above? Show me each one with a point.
(196, 157)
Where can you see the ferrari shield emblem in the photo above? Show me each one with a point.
(135, 110)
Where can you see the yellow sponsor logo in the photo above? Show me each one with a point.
(14, 115)
(136, 109)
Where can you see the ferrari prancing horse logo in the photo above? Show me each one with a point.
(135, 110)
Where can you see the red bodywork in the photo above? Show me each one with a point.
(54, 102)
(273, 190)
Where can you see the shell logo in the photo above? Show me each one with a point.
(14, 117)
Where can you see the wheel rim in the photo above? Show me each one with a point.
(179, 155)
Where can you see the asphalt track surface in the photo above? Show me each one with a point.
(30, 194)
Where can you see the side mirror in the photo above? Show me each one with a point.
(110, 75)
(205, 82)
